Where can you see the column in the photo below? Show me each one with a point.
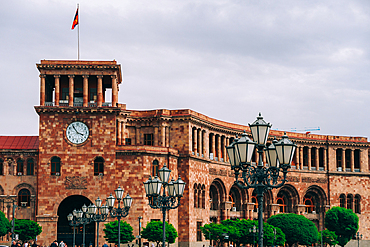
(301, 157)
(100, 90)
(168, 136)
(213, 146)
(42, 89)
(119, 134)
(71, 90)
(156, 136)
(343, 160)
(325, 159)
(163, 136)
(114, 91)
(309, 158)
(200, 142)
(137, 135)
(317, 158)
(85, 90)
(352, 160)
(123, 131)
(57, 91)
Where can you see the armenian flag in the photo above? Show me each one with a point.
(75, 20)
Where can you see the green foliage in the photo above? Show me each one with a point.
(111, 232)
(4, 224)
(344, 222)
(297, 228)
(328, 238)
(239, 232)
(27, 229)
(153, 232)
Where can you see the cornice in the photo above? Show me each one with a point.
(78, 110)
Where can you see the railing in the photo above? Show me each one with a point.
(65, 103)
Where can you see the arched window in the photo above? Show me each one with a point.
(203, 197)
(30, 167)
(350, 201)
(310, 206)
(282, 205)
(342, 200)
(20, 167)
(155, 168)
(99, 166)
(357, 204)
(231, 199)
(255, 202)
(199, 204)
(55, 166)
(24, 198)
(195, 196)
(1, 167)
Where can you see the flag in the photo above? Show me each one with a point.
(75, 20)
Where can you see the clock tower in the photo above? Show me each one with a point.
(77, 139)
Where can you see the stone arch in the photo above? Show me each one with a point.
(64, 231)
(217, 194)
(236, 198)
(288, 199)
(318, 197)
(17, 188)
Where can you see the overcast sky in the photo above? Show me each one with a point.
(303, 64)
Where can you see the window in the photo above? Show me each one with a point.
(310, 207)
(199, 232)
(255, 206)
(128, 141)
(93, 94)
(342, 200)
(357, 160)
(24, 198)
(65, 93)
(357, 204)
(55, 166)
(305, 158)
(30, 167)
(348, 160)
(349, 201)
(148, 139)
(282, 206)
(339, 159)
(98, 166)
(155, 168)
(321, 159)
(20, 167)
(203, 197)
(1, 167)
(195, 196)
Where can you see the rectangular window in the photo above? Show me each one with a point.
(128, 141)
(93, 94)
(65, 93)
(148, 139)
(199, 232)
(1, 167)
(30, 167)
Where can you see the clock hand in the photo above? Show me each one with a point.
(76, 130)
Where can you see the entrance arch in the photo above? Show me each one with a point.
(65, 231)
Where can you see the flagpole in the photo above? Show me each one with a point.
(78, 31)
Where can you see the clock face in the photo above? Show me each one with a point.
(77, 132)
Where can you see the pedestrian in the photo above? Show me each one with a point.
(14, 244)
(105, 244)
(34, 244)
(62, 244)
(25, 244)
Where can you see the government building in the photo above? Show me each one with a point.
(87, 147)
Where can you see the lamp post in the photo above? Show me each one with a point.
(254, 230)
(358, 236)
(163, 202)
(73, 221)
(119, 212)
(139, 218)
(258, 176)
(10, 200)
(83, 218)
(98, 213)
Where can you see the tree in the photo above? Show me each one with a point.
(111, 232)
(344, 222)
(26, 229)
(4, 224)
(328, 238)
(215, 232)
(297, 228)
(153, 232)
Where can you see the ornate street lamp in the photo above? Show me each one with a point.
(163, 201)
(358, 237)
(254, 230)
(98, 213)
(83, 217)
(119, 212)
(73, 221)
(140, 218)
(258, 176)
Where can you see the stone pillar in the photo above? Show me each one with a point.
(317, 158)
(156, 136)
(309, 158)
(71, 90)
(100, 90)
(114, 91)
(343, 160)
(352, 160)
(199, 141)
(301, 157)
(194, 142)
(119, 134)
(123, 131)
(85, 90)
(57, 91)
(213, 146)
(137, 136)
(42, 89)
(163, 136)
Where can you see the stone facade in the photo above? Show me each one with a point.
(124, 147)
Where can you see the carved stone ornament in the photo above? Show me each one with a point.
(75, 182)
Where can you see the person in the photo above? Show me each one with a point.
(54, 244)
(105, 244)
(25, 244)
(13, 244)
(62, 244)
(34, 244)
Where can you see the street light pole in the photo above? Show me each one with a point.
(260, 177)
(358, 237)
(119, 212)
(83, 218)
(98, 214)
(73, 221)
(163, 202)
(139, 218)
(254, 230)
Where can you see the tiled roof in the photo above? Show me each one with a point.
(19, 142)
